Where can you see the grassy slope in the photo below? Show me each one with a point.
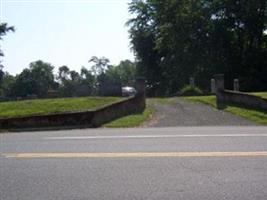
(47, 106)
(248, 113)
(261, 94)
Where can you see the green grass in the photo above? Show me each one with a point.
(161, 100)
(131, 120)
(248, 113)
(260, 94)
(209, 100)
(49, 106)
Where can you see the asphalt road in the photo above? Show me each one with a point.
(206, 163)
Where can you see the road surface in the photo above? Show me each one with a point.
(206, 163)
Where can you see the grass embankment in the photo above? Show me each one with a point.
(260, 94)
(245, 112)
(49, 106)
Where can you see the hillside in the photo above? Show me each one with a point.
(48, 106)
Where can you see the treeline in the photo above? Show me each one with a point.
(39, 80)
(177, 39)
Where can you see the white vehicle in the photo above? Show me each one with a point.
(128, 91)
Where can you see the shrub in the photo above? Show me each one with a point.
(188, 90)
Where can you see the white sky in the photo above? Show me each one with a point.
(64, 32)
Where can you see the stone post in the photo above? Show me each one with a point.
(212, 86)
(140, 86)
(192, 81)
(219, 85)
(236, 85)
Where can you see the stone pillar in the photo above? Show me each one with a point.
(219, 85)
(212, 86)
(236, 85)
(219, 82)
(192, 81)
(140, 86)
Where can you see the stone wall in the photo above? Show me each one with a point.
(244, 99)
(94, 118)
(228, 96)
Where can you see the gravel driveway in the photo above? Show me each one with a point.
(178, 112)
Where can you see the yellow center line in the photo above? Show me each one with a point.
(135, 155)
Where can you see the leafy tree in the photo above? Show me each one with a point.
(7, 82)
(4, 28)
(24, 84)
(35, 80)
(143, 32)
(100, 65)
(65, 85)
(43, 77)
(98, 70)
(75, 76)
(63, 73)
(74, 84)
(174, 40)
(125, 72)
(88, 79)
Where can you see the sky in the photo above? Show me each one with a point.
(64, 32)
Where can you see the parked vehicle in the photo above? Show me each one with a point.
(128, 91)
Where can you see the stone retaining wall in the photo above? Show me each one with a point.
(244, 99)
(228, 96)
(94, 118)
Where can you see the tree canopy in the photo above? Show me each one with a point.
(38, 80)
(35, 80)
(4, 28)
(177, 39)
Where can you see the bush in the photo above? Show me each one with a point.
(188, 90)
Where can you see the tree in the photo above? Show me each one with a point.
(4, 28)
(143, 33)
(7, 82)
(98, 70)
(88, 79)
(35, 80)
(24, 84)
(75, 76)
(63, 74)
(125, 72)
(174, 40)
(74, 84)
(1, 75)
(100, 65)
(43, 77)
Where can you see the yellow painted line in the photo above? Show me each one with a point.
(135, 155)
